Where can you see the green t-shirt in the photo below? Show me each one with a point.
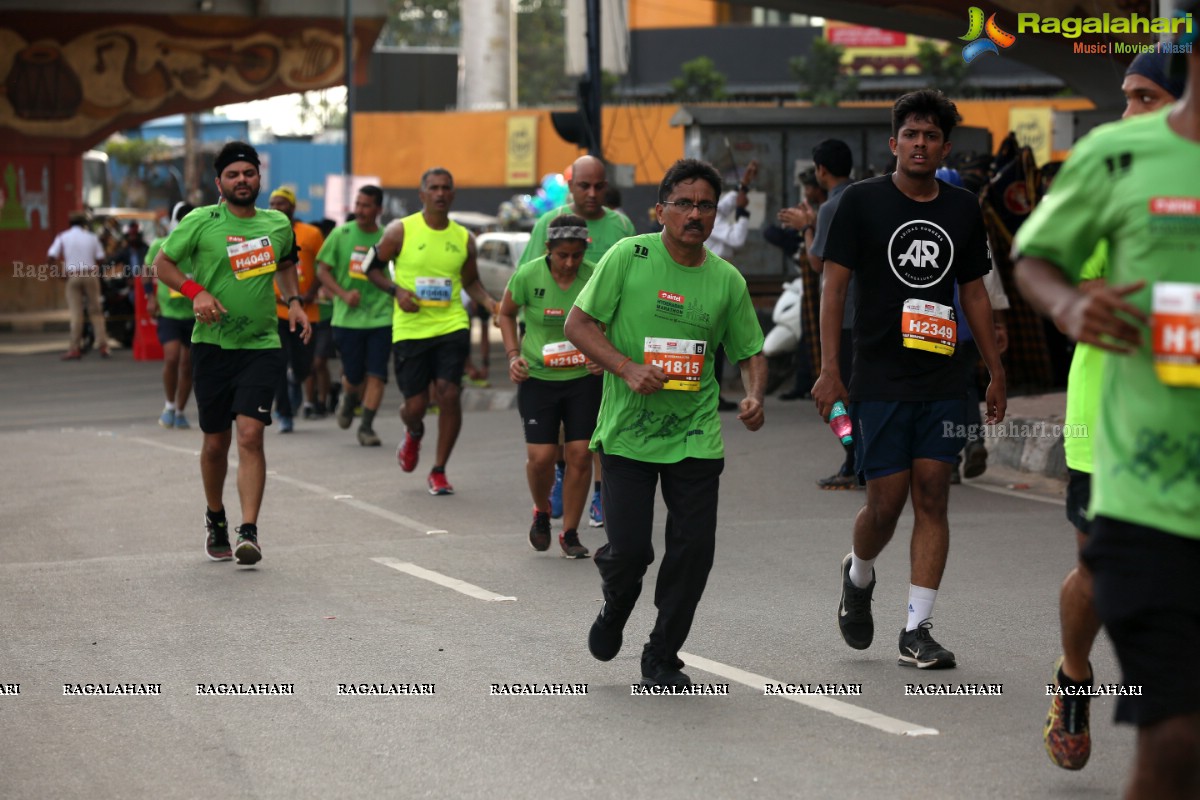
(659, 311)
(1134, 184)
(1083, 382)
(545, 305)
(603, 233)
(235, 259)
(344, 251)
(171, 304)
(430, 265)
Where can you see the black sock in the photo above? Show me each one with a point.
(562, 465)
(441, 470)
(417, 431)
(368, 418)
(596, 486)
(248, 528)
(215, 517)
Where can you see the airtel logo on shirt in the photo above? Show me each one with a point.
(920, 253)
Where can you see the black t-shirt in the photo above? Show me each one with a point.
(901, 249)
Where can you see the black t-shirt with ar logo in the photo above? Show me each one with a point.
(904, 250)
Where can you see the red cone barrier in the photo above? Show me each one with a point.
(146, 346)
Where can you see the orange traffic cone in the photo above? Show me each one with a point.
(146, 346)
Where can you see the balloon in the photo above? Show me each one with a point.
(555, 187)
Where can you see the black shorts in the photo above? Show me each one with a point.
(322, 338)
(231, 382)
(891, 434)
(418, 362)
(1151, 610)
(364, 352)
(1079, 495)
(545, 405)
(171, 329)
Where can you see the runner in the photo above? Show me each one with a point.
(908, 238)
(434, 260)
(556, 386)
(174, 323)
(1133, 184)
(667, 302)
(237, 253)
(362, 314)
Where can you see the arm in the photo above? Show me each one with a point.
(470, 279)
(388, 249)
(208, 309)
(829, 387)
(973, 298)
(754, 378)
(584, 332)
(506, 316)
(1089, 317)
(289, 287)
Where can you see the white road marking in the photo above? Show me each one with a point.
(469, 589)
(185, 450)
(1041, 498)
(863, 716)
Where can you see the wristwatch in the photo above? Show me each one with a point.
(297, 298)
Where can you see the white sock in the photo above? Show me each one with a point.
(169, 407)
(861, 571)
(920, 605)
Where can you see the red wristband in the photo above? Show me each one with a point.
(190, 289)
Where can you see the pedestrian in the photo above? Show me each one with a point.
(667, 302)
(76, 253)
(908, 239)
(1131, 187)
(556, 386)
(174, 321)
(237, 253)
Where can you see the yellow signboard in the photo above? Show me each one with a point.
(1034, 127)
(521, 152)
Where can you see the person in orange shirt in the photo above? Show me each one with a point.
(298, 355)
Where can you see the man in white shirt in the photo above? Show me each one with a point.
(78, 253)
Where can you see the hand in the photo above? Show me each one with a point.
(1001, 330)
(751, 173)
(518, 369)
(643, 378)
(296, 316)
(826, 391)
(152, 305)
(407, 301)
(353, 298)
(996, 399)
(1092, 318)
(751, 413)
(594, 368)
(208, 309)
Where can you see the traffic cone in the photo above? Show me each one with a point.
(146, 346)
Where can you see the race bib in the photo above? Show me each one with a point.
(562, 355)
(1175, 324)
(251, 257)
(357, 258)
(681, 359)
(928, 326)
(434, 292)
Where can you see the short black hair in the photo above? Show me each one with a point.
(929, 105)
(835, 156)
(809, 178)
(373, 192)
(429, 173)
(612, 197)
(689, 169)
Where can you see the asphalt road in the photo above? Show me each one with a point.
(103, 581)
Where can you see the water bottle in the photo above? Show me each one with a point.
(839, 420)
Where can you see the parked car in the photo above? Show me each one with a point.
(499, 253)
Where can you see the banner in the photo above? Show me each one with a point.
(521, 152)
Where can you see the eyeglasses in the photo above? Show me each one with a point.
(686, 206)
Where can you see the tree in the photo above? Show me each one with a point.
(317, 110)
(944, 69)
(820, 75)
(541, 54)
(700, 82)
(132, 155)
(421, 23)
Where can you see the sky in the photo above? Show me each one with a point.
(281, 114)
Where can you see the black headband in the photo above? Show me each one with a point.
(227, 157)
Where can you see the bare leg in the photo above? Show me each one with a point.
(1077, 615)
(539, 470)
(1166, 765)
(876, 520)
(449, 420)
(576, 481)
(171, 369)
(214, 464)
(374, 393)
(252, 467)
(184, 390)
(931, 528)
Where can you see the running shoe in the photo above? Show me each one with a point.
(569, 542)
(556, 494)
(539, 531)
(167, 420)
(309, 411)
(1067, 735)
(408, 452)
(918, 649)
(838, 483)
(368, 437)
(71, 355)
(854, 610)
(596, 511)
(247, 551)
(216, 542)
(181, 422)
(345, 410)
(286, 424)
(974, 460)
(438, 484)
(657, 673)
(605, 635)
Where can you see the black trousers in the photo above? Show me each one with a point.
(689, 490)
(298, 356)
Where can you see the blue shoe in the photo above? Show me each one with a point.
(596, 511)
(181, 422)
(167, 420)
(286, 424)
(556, 494)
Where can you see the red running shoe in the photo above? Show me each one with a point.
(408, 452)
(438, 484)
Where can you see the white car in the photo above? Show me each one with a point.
(499, 253)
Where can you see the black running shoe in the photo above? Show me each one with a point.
(539, 531)
(656, 673)
(606, 635)
(247, 552)
(569, 542)
(918, 649)
(854, 610)
(216, 544)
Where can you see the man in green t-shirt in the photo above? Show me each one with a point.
(667, 302)
(588, 184)
(174, 324)
(362, 313)
(1133, 184)
(237, 253)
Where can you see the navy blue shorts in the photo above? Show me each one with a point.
(1079, 496)
(892, 434)
(171, 329)
(419, 362)
(364, 351)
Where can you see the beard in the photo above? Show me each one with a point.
(233, 200)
